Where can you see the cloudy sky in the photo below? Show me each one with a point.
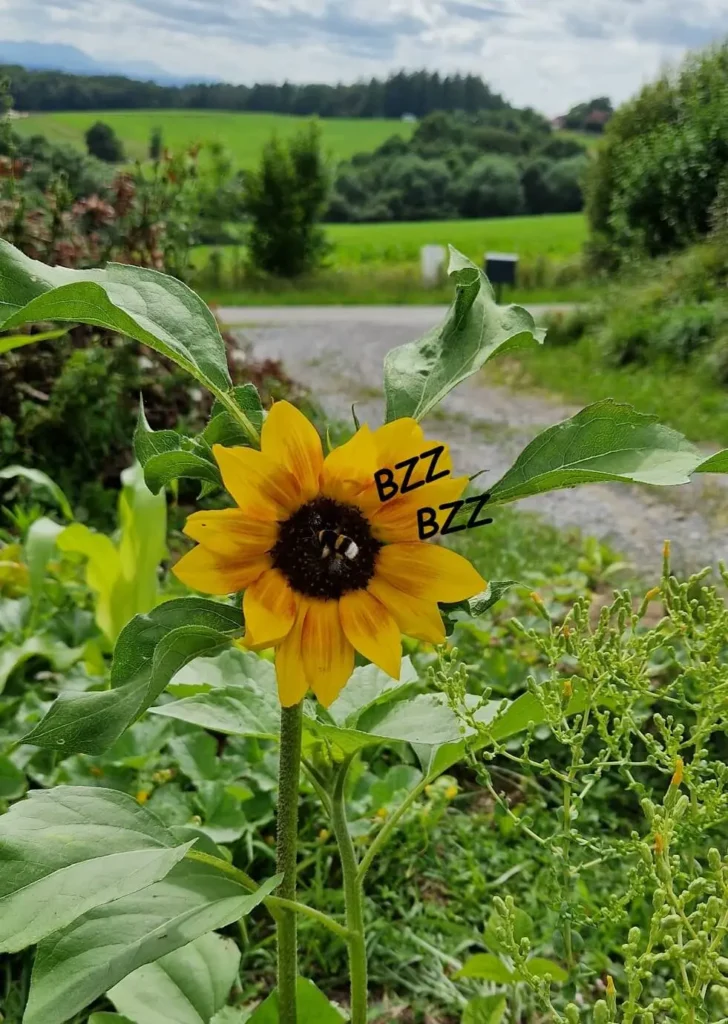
(545, 53)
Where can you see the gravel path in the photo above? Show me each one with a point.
(338, 353)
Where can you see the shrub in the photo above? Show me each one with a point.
(285, 200)
(656, 177)
(103, 143)
(155, 144)
(491, 188)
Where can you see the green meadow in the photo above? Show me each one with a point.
(242, 133)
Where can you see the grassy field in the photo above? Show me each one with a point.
(555, 236)
(679, 396)
(243, 134)
(379, 263)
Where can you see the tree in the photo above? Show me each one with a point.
(491, 188)
(285, 200)
(156, 144)
(102, 142)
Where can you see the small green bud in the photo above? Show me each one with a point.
(601, 1013)
(723, 964)
(714, 859)
(648, 809)
(634, 936)
(681, 806)
(671, 921)
(658, 898)
(571, 1012)
(646, 855)
(648, 1018)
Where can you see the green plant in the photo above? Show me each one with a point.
(170, 887)
(285, 200)
(101, 142)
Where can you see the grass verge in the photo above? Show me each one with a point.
(681, 397)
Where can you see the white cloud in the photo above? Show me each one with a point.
(545, 53)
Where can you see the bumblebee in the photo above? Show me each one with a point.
(336, 544)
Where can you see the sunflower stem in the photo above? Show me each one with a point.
(286, 849)
(353, 898)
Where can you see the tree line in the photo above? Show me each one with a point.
(490, 164)
(417, 93)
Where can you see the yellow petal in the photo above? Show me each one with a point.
(403, 444)
(395, 521)
(372, 630)
(209, 573)
(349, 469)
(231, 533)
(328, 657)
(399, 440)
(429, 571)
(291, 440)
(269, 608)
(414, 616)
(261, 487)
(290, 672)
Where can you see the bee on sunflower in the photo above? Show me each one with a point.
(327, 567)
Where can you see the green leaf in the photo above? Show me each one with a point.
(417, 376)
(522, 929)
(243, 709)
(224, 429)
(109, 1018)
(40, 543)
(485, 1010)
(196, 755)
(35, 476)
(166, 455)
(90, 722)
(717, 463)
(187, 986)
(143, 543)
(13, 341)
(605, 441)
(367, 687)
(486, 967)
(495, 590)
(58, 656)
(478, 605)
(12, 781)
(313, 1007)
(68, 850)
(423, 719)
(76, 965)
(157, 310)
(540, 967)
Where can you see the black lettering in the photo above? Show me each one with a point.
(434, 454)
(427, 525)
(384, 478)
(410, 464)
(474, 521)
(455, 506)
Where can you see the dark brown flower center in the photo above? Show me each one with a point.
(326, 549)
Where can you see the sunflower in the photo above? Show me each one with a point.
(327, 567)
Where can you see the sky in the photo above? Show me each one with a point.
(548, 54)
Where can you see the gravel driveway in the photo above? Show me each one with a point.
(338, 353)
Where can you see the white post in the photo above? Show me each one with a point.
(432, 264)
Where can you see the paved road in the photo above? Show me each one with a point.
(338, 353)
(415, 318)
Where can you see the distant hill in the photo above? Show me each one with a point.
(61, 57)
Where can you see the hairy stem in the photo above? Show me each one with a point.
(353, 899)
(286, 848)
